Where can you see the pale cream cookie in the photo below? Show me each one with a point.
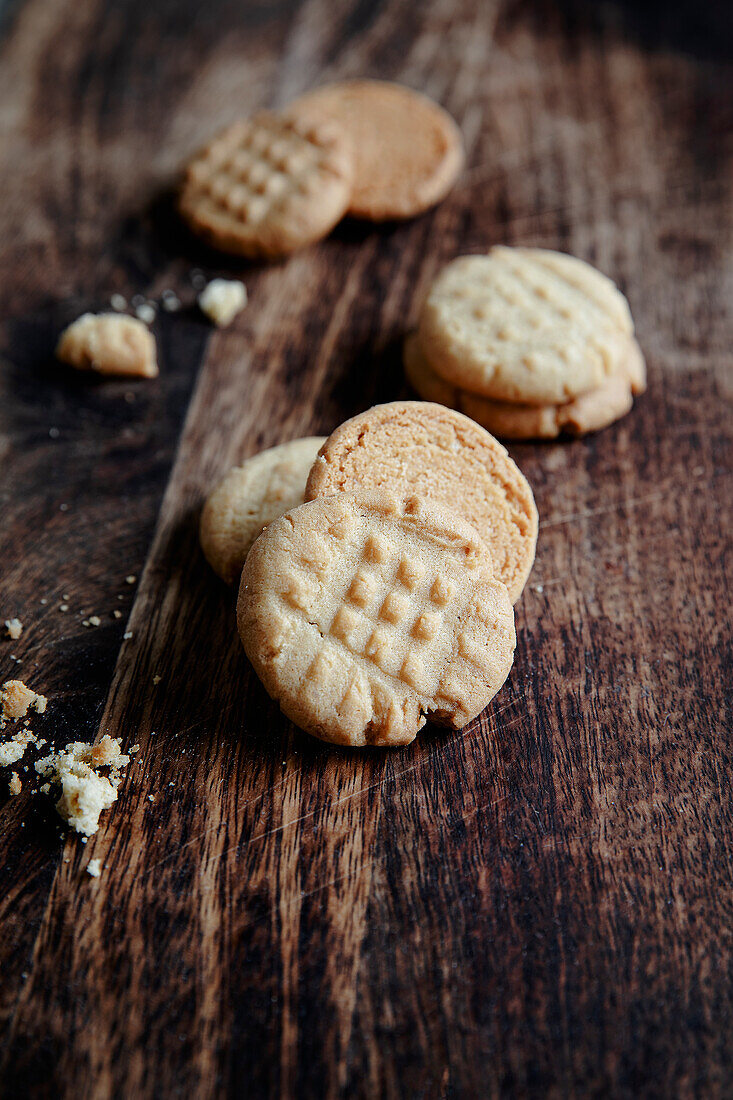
(251, 496)
(421, 447)
(363, 613)
(109, 343)
(588, 413)
(524, 325)
(408, 151)
(269, 185)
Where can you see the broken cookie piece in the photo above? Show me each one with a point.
(16, 699)
(14, 628)
(222, 300)
(109, 343)
(12, 751)
(84, 793)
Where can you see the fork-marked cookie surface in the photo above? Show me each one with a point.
(425, 448)
(363, 613)
(525, 325)
(268, 185)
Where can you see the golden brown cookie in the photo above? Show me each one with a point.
(588, 413)
(250, 497)
(363, 613)
(524, 325)
(408, 151)
(109, 343)
(421, 447)
(269, 185)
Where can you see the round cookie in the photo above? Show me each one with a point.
(362, 614)
(408, 151)
(421, 447)
(269, 185)
(588, 413)
(251, 496)
(524, 325)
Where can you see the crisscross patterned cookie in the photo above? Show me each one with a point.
(524, 325)
(425, 448)
(251, 496)
(269, 185)
(590, 412)
(362, 614)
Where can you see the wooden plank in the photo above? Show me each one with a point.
(539, 905)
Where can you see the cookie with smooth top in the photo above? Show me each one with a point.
(249, 497)
(269, 185)
(364, 613)
(524, 325)
(426, 448)
(408, 151)
(588, 413)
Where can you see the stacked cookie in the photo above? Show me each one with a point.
(529, 343)
(278, 181)
(387, 595)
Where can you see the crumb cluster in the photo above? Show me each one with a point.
(76, 774)
(84, 793)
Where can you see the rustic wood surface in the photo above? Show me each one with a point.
(541, 905)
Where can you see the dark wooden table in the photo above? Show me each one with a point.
(541, 905)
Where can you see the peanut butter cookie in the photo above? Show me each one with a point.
(362, 614)
(421, 447)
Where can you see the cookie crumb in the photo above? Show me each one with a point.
(146, 313)
(84, 793)
(222, 300)
(107, 753)
(54, 433)
(16, 699)
(133, 749)
(94, 620)
(94, 868)
(12, 751)
(127, 635)
(14, 628)
(118, 303)
(63, 607)
(151, 798)
(156, 680)
(116, 614)
(131, 579)
(14, 785)
(109, 343)
(170, 301)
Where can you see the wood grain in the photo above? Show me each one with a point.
(540, 905)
